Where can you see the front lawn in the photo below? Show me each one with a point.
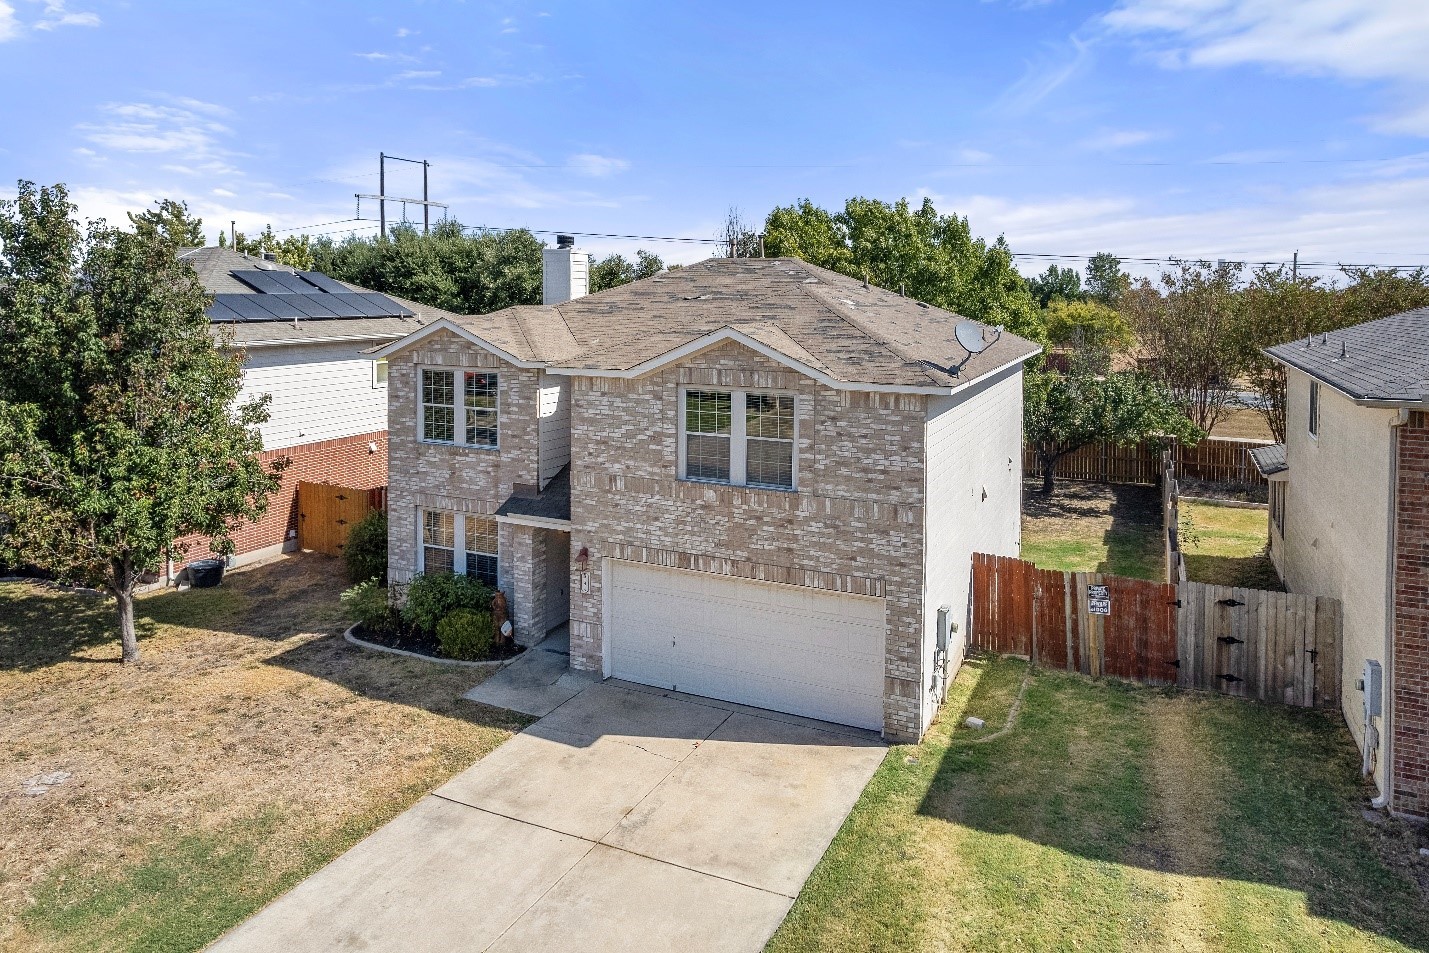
(1113, 817)
(251, 746)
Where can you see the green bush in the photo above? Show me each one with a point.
(367, 603)
(431, 598)
(466, 634)
(365, 551)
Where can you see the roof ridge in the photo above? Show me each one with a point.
(878, 339)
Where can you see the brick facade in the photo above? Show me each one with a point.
(348, 461)
(1410, 773)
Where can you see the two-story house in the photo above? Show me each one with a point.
(751, 479)
(1349, 518)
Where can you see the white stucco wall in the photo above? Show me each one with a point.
(1337, 522)
(320, 392)
(974, 494)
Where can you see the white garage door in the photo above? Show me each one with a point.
(788, 648)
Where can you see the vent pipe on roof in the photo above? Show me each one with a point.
(565, 272)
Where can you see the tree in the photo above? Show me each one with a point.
(1064, 412)
(1188, 335)
(1094, 332)
(295, 251)
(1277, 307)
(171, 221)
(920, 253)
(1056, 283)
(615, 270)
(1375, 293)
(120, 426)
(1106, 282)
(450, 268)
(738, 237)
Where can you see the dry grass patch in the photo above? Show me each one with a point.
(250, 747)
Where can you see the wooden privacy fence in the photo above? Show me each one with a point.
(327, 512)
(1273, 646)
(1214, 460)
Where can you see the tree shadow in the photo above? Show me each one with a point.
(42, 624)
(1133, 540)
(1248, 572)
(1076, 775)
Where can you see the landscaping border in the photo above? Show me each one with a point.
(364, 644)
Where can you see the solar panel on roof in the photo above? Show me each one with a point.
(368, 308)
(261, 281)
(340, 305)
(246, 307)
(312, 305)
(389, 307)
(291, 283)
(219, 311)
(322, 282)
(279, 306)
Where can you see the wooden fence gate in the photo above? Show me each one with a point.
(1273, 646)
(326, 513)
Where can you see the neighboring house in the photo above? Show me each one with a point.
(751, 479)
(1349, 515)
(303, 335)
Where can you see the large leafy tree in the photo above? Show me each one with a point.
(1054, 284)
(917, 252)
(1187, 330)
(1106, 282)
(450, 268)
(295, 251)
(120, 426)
(615, 270)
(1374, 293)
(1090, 327)
(1064, 412)
(171, 221)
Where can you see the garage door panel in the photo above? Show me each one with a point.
(806, 651)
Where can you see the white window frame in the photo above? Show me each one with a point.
(739, 438)
(458, 408)
(1313, 424)
(380, 370)
(459, 540)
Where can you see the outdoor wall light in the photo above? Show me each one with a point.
(583, 559)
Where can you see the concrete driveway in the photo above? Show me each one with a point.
(626, 819)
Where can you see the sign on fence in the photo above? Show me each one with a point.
(1098, 600)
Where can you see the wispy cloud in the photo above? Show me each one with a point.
(1044, 75)
(1110, 140)
(56, 16)
(9, 23)
(596, 166)
(1385, 40)
(403, 32)
(374, 56)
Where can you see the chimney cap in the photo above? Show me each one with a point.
(565, 241)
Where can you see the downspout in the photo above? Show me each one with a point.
(1386, 720)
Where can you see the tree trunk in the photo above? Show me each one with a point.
(1049, 472)
(124, 602)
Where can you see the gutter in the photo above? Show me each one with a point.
(1386, 719)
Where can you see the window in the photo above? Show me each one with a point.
(481, 549)
(461, 544)
(379, 373)
(738, 437)
(1277, 506)
(1314, 408)
(438, 541)
(478, 403)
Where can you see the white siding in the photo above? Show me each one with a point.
(320, 392)
(974, 498)
(554, 422)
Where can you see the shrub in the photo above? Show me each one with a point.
(365, 551)
(466, 634)
(431, 598)
(367, 603)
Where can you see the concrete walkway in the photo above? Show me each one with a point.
(626, 819)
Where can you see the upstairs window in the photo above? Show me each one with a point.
(739, 437)
(477, 395)
(1314, 408)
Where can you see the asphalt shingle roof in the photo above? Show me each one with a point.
(828, 321)
(1386, 359)
(1270, 459)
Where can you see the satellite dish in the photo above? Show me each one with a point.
(969, 334)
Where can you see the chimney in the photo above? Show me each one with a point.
(565, 272)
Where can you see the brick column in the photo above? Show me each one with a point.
(1409, 775)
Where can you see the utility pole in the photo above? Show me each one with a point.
(1295, 266)
(425, 201)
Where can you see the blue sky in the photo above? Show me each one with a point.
(1243, 129)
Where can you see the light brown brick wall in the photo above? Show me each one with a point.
(855, 524)
(1410, 784)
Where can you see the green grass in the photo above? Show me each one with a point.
(1093, 527)
(1228, 546)
(1112, 818)
(1134, 552)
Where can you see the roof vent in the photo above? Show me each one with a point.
(565, 241)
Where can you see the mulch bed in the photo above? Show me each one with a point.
(424, 643)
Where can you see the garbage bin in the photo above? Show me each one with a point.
(205, 573)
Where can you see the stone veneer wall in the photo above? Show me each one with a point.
(1410, 784)
(460, 479)
(855, 524)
